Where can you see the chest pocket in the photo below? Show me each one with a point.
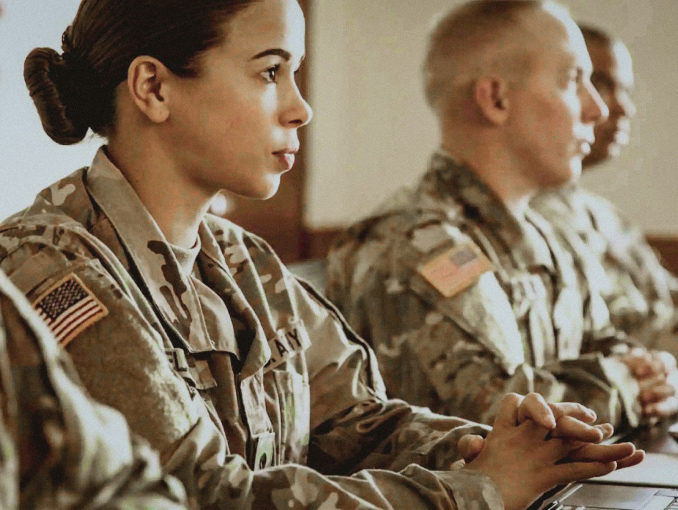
(195, 371)
(288, 399)
(532, 305)
(289, 407)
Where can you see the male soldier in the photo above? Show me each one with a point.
(638, 290)
(462, 288)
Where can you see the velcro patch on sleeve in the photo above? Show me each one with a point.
(68, 308)
(456, 269)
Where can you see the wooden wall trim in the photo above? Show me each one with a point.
(316, 242)
(667, 248)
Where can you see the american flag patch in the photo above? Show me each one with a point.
(68, 308)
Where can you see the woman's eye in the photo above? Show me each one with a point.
(271, 74)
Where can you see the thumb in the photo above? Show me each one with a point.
(574, 471)
(470, 446)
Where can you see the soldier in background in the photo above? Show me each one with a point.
(252, 386)
(464, 291)
(639, 291)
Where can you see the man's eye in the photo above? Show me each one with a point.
(271, 74)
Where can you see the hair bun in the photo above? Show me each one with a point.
(56, 95)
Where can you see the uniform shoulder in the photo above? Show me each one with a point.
(553, 203)
(403, 218)
(608, 218)
(394, 244)
(597, 202)
(58, 231)
(39, 248)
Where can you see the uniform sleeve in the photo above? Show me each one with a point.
(121, 361)
(234, 485)
(637, 270)
(453, 374)
(9, 454)
(353, 424)
(71, 450)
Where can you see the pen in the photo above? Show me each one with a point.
(556, 503)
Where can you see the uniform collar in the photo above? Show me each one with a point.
(456, 184)
(576, 200)
(187, 257)
(251, 338)
(171, 291)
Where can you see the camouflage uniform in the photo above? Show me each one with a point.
(463, 303)
(639, 291)
(250, 384)
(58, 448)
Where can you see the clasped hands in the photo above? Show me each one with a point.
(657, 377)
(535, 446)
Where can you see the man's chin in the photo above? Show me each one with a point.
(597, 156)
(563, 178)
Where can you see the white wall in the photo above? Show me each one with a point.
(29, 159)
(372, 131)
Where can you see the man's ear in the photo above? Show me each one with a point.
(147, 82)
(491, 97)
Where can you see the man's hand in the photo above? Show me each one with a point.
(644, 363)
(657, 376)
(524, 462)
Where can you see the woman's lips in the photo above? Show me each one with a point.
(286, 158)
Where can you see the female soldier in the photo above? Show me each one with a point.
(237, 372)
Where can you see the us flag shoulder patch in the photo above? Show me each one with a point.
(457, 269)
(68, 307)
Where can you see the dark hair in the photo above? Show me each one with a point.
(75, 91)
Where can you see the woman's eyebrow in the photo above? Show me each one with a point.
(273, 51)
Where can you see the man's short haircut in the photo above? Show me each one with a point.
(478, 37)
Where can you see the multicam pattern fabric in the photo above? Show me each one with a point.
(58, 448)
(527, 325)
(250, 384)
(640, 293)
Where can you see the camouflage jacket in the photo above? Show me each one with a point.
(251, 385)
(463, 303)
(58, 448)
(640, 293)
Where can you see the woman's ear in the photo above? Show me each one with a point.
(491, 97)
(147, 83)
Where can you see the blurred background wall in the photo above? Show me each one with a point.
(29, 159)
(372, 131)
